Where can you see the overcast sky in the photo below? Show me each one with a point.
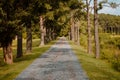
(109, 10)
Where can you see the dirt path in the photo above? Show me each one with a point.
(58, 63)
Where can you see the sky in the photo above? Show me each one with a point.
(108, 10)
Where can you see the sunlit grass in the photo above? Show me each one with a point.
(9, 72)
(96, 69)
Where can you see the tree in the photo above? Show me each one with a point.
(109, 22)
(28, 23)
(29, 38)
(18, 9)
(97, 46)
(8, 29)
(88, 26)
(40, 9)
(72, 29)
(42, 30)
(19, 44)
(24, 15)
(76, 8)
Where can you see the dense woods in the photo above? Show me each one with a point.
(110, 23)
(49, 19)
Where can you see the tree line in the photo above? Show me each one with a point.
(53, 17)
(110, 23)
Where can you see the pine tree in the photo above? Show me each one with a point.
(8, 29)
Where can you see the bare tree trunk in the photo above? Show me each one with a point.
(97, 50)
(69, 36)
(29, 39)
(50, 34)
(19, 45)
(72, 30)
(47, 36)
(75, 34)
(53, 33)
(42, 41)
(89, 28)
(7, 52)
(78, 34)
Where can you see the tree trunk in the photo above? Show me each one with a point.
(47, 36)
(19, 45)
(75, 34)
(97, 50)
(78, 35)
(7, 52)
(29, 39)
(69, 36)
(72, 30)
(53, 34)
(42, 41)
(89, 28)
(50, 34)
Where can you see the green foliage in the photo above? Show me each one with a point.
(83, 40)
(65, 30)
(116, 62)
(8, 27)
(15, 15)
(115, 41)
(83, 33)
(109, 22)
(110, 49)
(101, 3)
(36, 31)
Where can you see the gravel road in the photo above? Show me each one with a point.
(58, 63)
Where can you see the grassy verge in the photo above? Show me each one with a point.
(96, 69)
(9, 72)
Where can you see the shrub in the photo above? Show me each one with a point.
(83, 40)
(107, 54)
(35, 36)
(110, 49)
(116, 62)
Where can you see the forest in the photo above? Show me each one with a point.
(46, 20)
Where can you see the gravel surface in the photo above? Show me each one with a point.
(58, 63)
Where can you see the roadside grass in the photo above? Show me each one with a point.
(96, 69)
(9, 72)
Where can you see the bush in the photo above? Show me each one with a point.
(83, 40)
(104, 39)
(116, 62)
(107, 54)
(110, 49)
(35, 36)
